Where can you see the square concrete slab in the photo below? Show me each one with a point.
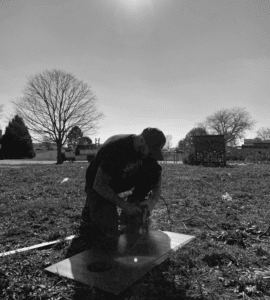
(114, 267)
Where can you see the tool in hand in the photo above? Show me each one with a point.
(145, 218)
(138, 223)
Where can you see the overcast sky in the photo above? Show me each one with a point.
(159, 63)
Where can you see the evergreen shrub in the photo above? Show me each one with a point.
(17, 143)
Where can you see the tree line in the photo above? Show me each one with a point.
(231, 123)
(53, 103)
(59, 108)
(17, 142)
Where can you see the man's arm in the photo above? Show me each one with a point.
(102, 187)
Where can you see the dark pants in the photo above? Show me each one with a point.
(99, 215)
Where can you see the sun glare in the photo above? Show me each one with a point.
(134, 20)
(135, 5)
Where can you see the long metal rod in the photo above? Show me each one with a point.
(37, 246)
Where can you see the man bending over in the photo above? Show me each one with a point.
(123, 163)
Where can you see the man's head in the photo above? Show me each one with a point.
(155, 140)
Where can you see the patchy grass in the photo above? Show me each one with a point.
(227, 209)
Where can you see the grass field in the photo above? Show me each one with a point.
(227, 209)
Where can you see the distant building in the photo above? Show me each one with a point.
(248, 141)
(255, 144)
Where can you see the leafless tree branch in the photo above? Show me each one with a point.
(263, 133)
(232, 123)
(53, 102)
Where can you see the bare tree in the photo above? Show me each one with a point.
(168, 143)
(232, 123)
(53, 102)
(263, 133)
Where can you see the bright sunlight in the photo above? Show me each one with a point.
(135, 6)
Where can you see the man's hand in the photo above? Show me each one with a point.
(150, 203)
(131, 209)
